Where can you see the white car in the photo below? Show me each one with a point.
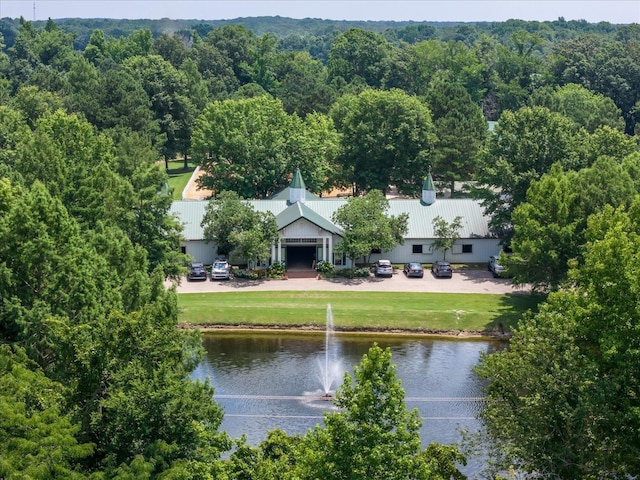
(494, 266)
(220, 270)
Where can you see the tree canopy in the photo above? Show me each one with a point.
(367, 226)
(386, 138)
(562, 400)
(95, 376)
(252, 147)
(374, 435)
(238, 230)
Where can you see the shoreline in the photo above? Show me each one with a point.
(314, 330)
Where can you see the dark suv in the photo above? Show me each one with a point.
(442, 269)
(196, 271)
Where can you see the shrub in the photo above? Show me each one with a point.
(276, 270)
(355, 273)
(326, 268)
(248, 274)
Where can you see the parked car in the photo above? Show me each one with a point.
(383, 268)
(413, 269)
(494, 266)
(220, 270)
(442, 269)
(196, 271)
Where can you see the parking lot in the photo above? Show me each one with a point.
(462, 281)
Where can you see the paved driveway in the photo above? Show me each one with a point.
(463, 281)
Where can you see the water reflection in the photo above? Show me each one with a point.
(264, 381)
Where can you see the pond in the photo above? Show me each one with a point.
(266, 381)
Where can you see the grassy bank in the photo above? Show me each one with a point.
(357, 310)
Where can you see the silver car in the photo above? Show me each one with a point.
(494, 266)
(220, 270)
(383, 268)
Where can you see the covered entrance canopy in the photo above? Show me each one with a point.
(305, 237)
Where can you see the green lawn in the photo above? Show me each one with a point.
(179, 177)
(357, 310)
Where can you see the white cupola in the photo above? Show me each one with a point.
(297, 189)
(428, 190)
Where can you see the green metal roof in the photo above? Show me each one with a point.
(299, 210)
(475, 224)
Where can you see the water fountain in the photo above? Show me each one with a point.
(330, 366)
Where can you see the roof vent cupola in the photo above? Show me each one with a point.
(297, 189)
(428, 190)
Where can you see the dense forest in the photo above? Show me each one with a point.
(94, 373)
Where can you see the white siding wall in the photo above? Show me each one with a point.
(482, 248)
(201, 251)
(302, 229)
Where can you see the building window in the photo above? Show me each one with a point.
(376, 250)
(424, 248)
(467, 248)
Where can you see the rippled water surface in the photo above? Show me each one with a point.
(268, 381)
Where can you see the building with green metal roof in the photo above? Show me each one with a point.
(308, 235)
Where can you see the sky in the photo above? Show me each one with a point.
(593, 11)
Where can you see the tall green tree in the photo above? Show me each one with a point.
(216, 68)
(49, 271)
(35, 103)
(373, 435)
(123, 103)
(302, 84)
(413, 67)
(367, 226)
(588, 109)
(246, 146)
(172, 48)
(460, 129)
(525, 145)
(562, 401)
(166, 88)
(38, 440)
(224, 213)
(238, 45)
(519, 69)
(547, 233)
(386, 139)
(314, 151)
(550, 227)
(112, 340)
(358, 53)
(13, 131)
(82, 87)
(604, 66)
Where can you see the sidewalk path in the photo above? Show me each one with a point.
(192, 192)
